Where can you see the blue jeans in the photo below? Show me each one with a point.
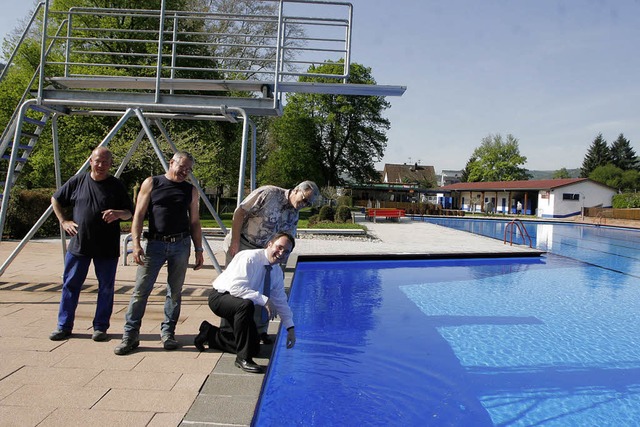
(176, 255)
(76, 268)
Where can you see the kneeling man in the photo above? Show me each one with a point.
(249, 283)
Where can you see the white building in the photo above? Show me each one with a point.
(547, 198)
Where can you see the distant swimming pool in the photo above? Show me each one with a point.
(608, 247)
(547, 341)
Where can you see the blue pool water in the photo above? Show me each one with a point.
(607, 247)
(474, 342)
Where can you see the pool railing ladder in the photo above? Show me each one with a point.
(510, 228)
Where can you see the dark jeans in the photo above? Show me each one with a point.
(76, 268)
(243, 340)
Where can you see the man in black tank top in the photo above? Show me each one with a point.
(171, 204)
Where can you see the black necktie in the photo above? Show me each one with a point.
(266, 291)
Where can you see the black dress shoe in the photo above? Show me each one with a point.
(265, 338)
(248, 365)
(203, 336)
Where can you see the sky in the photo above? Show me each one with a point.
(553, 73)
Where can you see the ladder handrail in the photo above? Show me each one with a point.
(10, 123)
(521, 228)
(24, 34)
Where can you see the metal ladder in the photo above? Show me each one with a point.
(29, 133)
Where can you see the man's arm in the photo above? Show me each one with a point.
(196, 227)
(111, 215)
(142, 204)
(239, 216)
(68, 225)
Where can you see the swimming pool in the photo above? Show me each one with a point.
(607, 247)
(460, 342)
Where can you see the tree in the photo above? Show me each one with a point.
(467, 169)
(348, 131)
(561, 173)
(622, 155)
(608, 175)
(292, 152)
(497, 160)
(241, 44)
(597, 155)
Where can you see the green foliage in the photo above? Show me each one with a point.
(343, 214)
(626, 201)
(561, 173)
(597, 155)
(24, 210)
(327, 213)
(345, 201)
(622, 155)
(496, 160)
(293, 155)
(343, 134)
(617, 178)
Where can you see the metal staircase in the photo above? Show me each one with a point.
(27, 136)
(184, 65)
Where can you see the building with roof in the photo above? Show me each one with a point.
(398, 183)
(546, 198)
(409, 174)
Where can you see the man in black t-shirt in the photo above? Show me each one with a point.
(100, 201)
(171, 204)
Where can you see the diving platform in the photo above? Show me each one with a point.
(158, 65)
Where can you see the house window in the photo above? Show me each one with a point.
(544, 194)
(570, 196)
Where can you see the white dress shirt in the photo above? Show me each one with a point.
(244, 278)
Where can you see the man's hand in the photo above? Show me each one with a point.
(271, 309)
(70, 227)
(199, 261)
(138, 255)
(291, 337)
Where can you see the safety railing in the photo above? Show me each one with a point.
(273, 41)
(516, 227)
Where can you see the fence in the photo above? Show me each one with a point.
(628, 214)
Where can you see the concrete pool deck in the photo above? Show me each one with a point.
(81, 382)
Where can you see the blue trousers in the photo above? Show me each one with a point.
(176, 255)
(76, 268)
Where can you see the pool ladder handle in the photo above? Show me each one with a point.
(523, 232)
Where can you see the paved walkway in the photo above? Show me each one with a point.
(81, 382)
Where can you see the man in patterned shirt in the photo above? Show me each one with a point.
(267, 210)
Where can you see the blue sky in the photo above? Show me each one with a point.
(554, 73)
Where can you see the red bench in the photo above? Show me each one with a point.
(388, 213)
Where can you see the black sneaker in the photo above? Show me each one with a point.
(126, 346)
(99, 336)
(59, 335)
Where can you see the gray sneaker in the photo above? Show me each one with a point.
(169, 342)
(126, 346)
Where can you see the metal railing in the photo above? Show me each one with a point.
(516, 227)
(278, 40)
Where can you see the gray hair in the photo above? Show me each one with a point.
(183, 154)
(305, 186)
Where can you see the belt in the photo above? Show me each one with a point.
(167, 238)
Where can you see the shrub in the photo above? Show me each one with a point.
(327, 213)
(343, 214)
(626, 200)
(345, 201)
(313, 220)
(24, 210)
